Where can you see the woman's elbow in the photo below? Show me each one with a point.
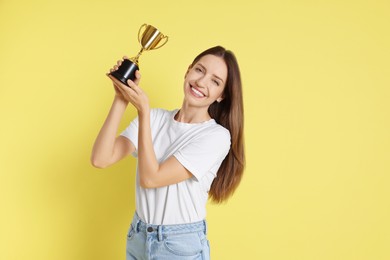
(146, 184)
(98, 163)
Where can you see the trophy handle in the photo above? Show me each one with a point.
(166, 40)
(139, 32)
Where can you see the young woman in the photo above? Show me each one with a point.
(184, 156)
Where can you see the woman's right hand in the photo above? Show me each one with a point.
(130, 93)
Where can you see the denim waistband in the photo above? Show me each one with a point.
(140, 226)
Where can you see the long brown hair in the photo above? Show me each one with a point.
(230, 114)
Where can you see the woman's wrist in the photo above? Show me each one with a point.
(121, 100)
(144, 111)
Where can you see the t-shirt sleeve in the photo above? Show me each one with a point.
(205, 154)
(131, 132)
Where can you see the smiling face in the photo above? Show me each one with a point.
(205, 81)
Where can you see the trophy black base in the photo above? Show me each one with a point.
(125, 71)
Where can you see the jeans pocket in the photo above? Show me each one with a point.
(188, 244)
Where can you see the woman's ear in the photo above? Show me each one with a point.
(219, 99)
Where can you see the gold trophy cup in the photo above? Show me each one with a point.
(149, 40)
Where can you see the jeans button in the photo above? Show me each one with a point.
(150, 229)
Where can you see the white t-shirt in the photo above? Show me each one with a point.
(200, 148)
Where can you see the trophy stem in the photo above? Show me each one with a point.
(135, 59)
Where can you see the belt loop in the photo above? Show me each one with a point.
(159, 233)
(205, 227)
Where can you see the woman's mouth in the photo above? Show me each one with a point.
(196, 92)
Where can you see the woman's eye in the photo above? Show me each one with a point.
(198, 69)
(216, 82)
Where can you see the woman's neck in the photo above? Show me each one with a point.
(192, 115)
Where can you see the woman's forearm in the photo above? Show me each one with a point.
(147, 162)
(103, 148)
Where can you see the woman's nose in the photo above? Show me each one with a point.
(201, 82)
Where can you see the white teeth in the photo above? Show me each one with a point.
(197, 92)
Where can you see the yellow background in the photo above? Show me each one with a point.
(317, 103)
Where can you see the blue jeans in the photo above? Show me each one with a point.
(167, 242)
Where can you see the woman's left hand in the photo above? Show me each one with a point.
(133, 94)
